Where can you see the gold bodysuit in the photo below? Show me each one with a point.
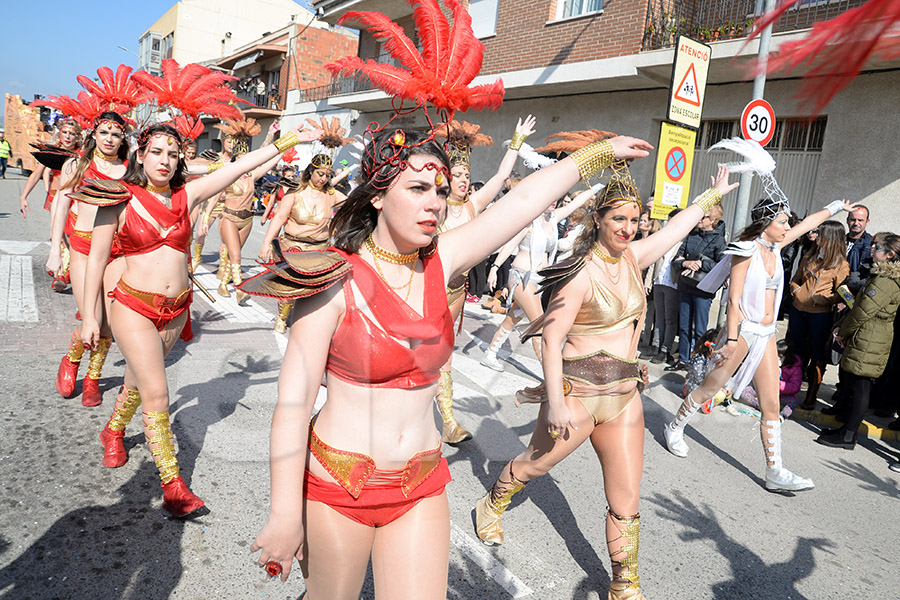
(586, 377)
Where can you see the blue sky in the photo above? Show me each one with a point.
(46, 43)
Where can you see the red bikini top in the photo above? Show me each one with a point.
(139, 236)
(366, 354)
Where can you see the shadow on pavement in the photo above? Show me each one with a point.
(751, 576)
(127, 550)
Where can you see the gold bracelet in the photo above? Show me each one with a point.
(518, 139)
(205, 218)
(212, 167)
(288, 140)
(593, 158)
(708, 199)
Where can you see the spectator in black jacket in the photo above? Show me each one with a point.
(859, 247)
(699, 253)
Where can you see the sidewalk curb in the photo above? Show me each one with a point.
(866, 429)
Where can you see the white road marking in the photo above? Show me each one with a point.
(477, 553)
(17, 301)
(18, 247)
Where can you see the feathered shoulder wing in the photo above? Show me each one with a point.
(102, 192)
(297, 274)
(52, 157)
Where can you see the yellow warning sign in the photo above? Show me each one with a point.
(688, 88)
(675, 157)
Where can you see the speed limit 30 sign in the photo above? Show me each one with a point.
(758, 122)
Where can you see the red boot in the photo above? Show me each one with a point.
(114, 454)
(179, 500)
(90, 391)
(68, 367)
(112, 436)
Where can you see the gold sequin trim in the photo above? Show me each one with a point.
(161, 446)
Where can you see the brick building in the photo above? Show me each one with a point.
(580, 64)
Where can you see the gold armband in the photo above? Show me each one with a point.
(212, 167)
(288, 140)
(205, 218)
(518, 139)
(708, 199)
(593, 158)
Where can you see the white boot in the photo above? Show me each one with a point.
(490, 356)
(779, 479)
(674, 431)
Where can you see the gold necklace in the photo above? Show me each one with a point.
(388, 256)
(101, 156)
(457, 202)
(156, 189)
(602, 255)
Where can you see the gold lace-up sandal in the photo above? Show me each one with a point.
(623, 553)
(489, 510)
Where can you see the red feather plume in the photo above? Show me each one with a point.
(118, 90)
(188, 127)
(835, 51)
(68, 106)
(450, 59)
(192, 90)
(85, 109)
(290, 156)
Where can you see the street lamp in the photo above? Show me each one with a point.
(127, 50)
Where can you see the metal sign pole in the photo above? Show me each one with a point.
(742, 207)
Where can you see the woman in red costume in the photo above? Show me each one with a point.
(149, 214)
(68, 140)
(104, 157)
(376, 322)
(464, 205)
(591, 328)
(305, 215)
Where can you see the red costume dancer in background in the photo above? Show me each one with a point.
(104, 157)
(150, 216)
(50, 159)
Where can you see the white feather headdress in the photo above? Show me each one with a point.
(758, 161)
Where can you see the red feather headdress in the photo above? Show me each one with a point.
(120, 90)
(85, 109)
(835, 51)
(451, 57)
(439, 75)
(192, 90)
(188, 127)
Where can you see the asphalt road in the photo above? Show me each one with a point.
(70, 528)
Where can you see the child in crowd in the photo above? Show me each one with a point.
(701, 361)
(791, 379)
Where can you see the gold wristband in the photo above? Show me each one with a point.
(518, 139)
(593, 158)
(288, 140)
(205, 218)
(708, 199)
(212, 167)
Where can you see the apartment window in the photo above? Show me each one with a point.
(575, 8)
(484, 17)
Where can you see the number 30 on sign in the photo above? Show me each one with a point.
(758, 122)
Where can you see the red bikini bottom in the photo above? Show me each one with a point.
(80, 241)
(159, 308)
(49, 199)
(370, 496)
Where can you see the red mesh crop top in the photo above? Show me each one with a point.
(362, 353)
(139, 236)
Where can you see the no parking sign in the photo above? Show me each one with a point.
(673, 169)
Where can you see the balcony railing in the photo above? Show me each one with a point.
(713, 20)
(345, 85)
(270, 100)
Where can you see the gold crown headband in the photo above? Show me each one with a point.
(458, 154)
(622, 183)
(322, 161)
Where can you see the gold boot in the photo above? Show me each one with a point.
(90, 390)
(224, 277)
(223, 263)
(490, 509)
(240, 296)
(623, 553)
(284, 312)
(453, 432)
(196, 256)
(177, 497)
(112, 436)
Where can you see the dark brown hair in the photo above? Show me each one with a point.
(616, 188)
(831, 243)
(135, 171)
(356, 218)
